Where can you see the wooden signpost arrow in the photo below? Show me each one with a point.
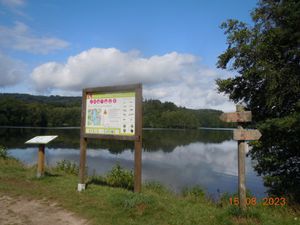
(241, 135)
(246, 135)
(244, 116)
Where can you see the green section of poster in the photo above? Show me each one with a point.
(110, 113)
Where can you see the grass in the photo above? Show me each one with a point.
(105, 205)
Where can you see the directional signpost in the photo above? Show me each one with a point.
(241, 135)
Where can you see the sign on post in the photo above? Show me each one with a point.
(41, 141)
(246, 135)
(115, 113)
(241, 135)
(243, 116)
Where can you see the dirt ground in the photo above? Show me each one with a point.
(18, 210)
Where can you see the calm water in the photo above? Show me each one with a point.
(176, 158)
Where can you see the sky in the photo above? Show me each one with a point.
(59, 47)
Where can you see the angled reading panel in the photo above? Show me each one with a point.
(41, 139)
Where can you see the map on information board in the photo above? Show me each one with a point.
(110, 113)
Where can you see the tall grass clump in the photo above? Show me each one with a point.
(67, 167)
(120, 177)
(3, 152)
(193, 193)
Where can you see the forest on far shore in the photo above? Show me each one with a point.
(59, 111)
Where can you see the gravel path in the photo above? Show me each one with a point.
(35, 212)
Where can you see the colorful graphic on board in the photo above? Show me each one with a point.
(110, 113)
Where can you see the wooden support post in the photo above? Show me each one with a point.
(241, 166)
(241, 173)
(138, 142)
(83, 144)
(41, 161)
(137, 166)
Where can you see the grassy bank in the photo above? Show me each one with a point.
(103, 205)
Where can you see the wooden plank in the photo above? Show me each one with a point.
(243, 116)
(111, 137)
(246, 135)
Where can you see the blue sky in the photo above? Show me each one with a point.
(59, 47)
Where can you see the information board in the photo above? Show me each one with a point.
(110, 113)
(113, 113)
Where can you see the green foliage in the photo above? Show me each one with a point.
(3, 152)
(266, 57)
(195, 192)
(67, 167)
(119, 177)
(250, 212)
(167, 115)
(156, 187)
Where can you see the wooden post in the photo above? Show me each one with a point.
(138, 143)
(83, 145)
(137, 166)
(41, 161)
(241, 166)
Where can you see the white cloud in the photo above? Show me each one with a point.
(175, 77)
(20, 37)
(11, 71)
(13, 3)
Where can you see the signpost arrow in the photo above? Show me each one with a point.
(246, 135)
(243, 116)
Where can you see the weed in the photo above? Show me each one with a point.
(119, 177)
(3, 152)
(67, 167)
(195, 192)
(250, 212)
(156, 187)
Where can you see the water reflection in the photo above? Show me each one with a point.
(175, 158)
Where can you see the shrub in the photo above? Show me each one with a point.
(119, 177)
(156, 187)
(193, 192)
(67, 166)
(3, 152)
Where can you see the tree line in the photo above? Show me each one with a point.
(60, 111)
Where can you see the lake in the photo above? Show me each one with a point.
(175, 158)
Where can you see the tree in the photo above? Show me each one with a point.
(266, 57)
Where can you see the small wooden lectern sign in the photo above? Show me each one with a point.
(41, 141)
(112, 113)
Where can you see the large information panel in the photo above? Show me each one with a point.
(110, 113)
(113, 113)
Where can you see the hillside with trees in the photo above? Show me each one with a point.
(58, 111)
